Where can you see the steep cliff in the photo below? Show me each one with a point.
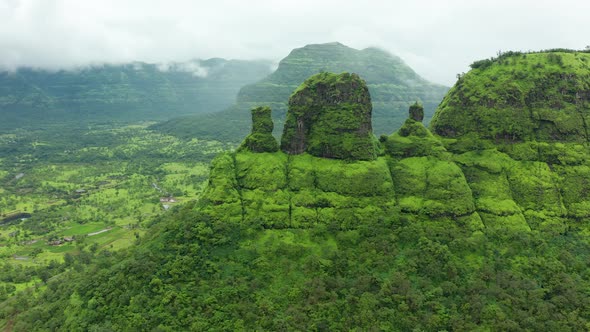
(496, 183)
(330, 116)
(517, 125)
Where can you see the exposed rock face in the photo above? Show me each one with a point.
(261, 139)
(417, 112)
(413, 125)
(330, 116)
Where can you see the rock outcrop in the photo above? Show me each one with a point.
(328, 171)
(261, 138)
(417, 112)
(330, 116)
(471, 177)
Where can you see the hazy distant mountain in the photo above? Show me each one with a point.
(129, 92)
(392, 84)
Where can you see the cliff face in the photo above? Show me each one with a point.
(329, 117)
(476, 182)
(517, 126)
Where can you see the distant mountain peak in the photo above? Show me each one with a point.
(334, 43)
(392, 84)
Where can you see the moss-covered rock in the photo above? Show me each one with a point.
(223, 189)
(330, 116)
(277, 190)
(413, 139)
(487, 174)
(433, 187)
(508, 186)
(261, 138)
(416, 112)
(520, 97)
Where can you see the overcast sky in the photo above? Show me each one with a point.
(437, 38)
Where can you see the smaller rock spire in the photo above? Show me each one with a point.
(261, 139)
(417, 112)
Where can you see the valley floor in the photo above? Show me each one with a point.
(65, 189)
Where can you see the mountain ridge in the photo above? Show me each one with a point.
(392, 84)
(127, 92)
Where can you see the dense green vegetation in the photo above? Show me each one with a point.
(64, 189)
(520, 97)
(129, 92)
(392, 84)
(455, 232)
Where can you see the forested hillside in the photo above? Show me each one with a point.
(128, 92)
(392, 84)
(479, 225)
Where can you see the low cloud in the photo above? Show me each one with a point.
(438, 39)
(194, 68)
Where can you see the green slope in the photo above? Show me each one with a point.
(521, 97)
(392, 84)
(128, 92)
(461, 232)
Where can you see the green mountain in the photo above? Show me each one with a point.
(458, 229)
(128, 92)
(520, 97)
(392, 84)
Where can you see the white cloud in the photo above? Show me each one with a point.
(192, 67)
(437, 38)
